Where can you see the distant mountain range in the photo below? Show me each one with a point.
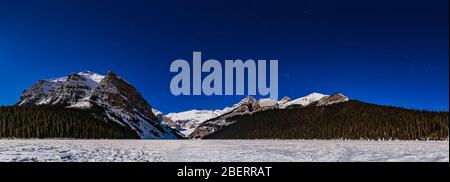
(110, 107)
(198, 124)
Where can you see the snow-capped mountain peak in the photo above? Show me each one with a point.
(247, 99)
(92, 76)
(67, 90)
(304, 101)
(87, 75)
(195, 114)
(332, 99)
(118, 99)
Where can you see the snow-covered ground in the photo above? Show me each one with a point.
(222, 150)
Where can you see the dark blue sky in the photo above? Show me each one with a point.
(378, 51)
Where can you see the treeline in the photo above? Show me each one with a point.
(349, 120)
(57, 122)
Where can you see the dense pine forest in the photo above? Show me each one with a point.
(57, 122)
(349, 120)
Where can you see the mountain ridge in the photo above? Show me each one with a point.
(354, 120)
(250, 105)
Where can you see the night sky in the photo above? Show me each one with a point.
(378, 51)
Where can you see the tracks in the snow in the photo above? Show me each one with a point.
(347, 155)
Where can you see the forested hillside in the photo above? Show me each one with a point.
(58, 122)
(348, 120)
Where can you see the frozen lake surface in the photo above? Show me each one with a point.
(222, 150)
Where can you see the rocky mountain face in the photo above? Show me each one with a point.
(284, 100)
(72, 90)
(119, 100)
(332, 99)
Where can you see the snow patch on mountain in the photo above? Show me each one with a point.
(267, 102)
(81, 105)
(304, 101)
